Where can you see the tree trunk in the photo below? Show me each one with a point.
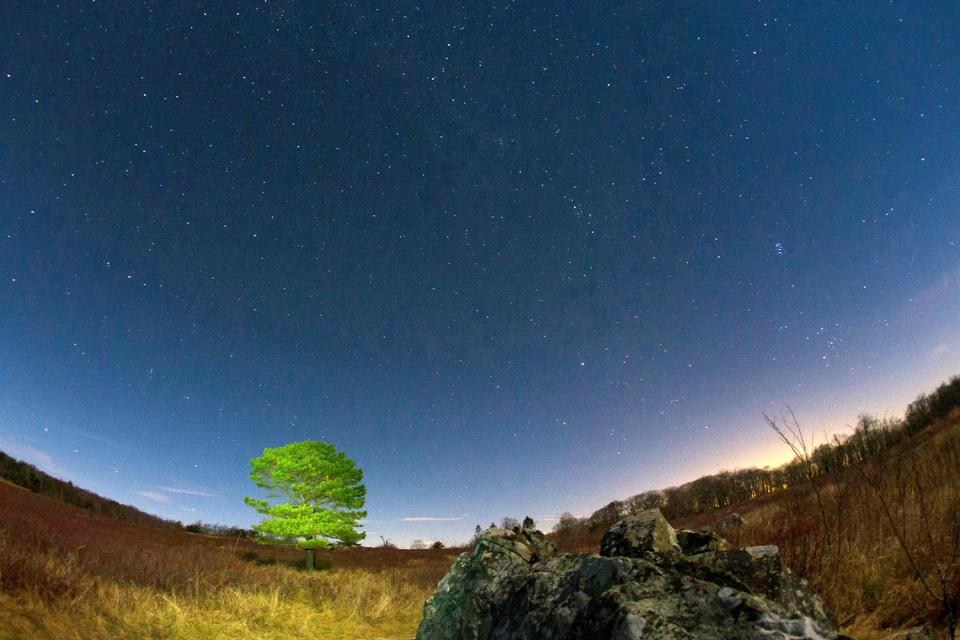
(311, 559)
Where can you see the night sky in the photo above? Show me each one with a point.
(513, 258)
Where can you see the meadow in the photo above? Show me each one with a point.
(69, 573)
(884, 550)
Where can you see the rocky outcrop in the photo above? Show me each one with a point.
(649, 582)
(639, 536)
(694, 542)
(923, 632)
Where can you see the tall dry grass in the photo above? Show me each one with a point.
(893, 525)
(67, 573)
(880, 542)
(884, 549)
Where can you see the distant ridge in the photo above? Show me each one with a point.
(711, 493)
(29, 477)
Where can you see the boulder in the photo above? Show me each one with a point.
(730, 526)
(759, 571)
(730, 522)
(641, 535)
(923, 632)
(515, 585)
(694, 542)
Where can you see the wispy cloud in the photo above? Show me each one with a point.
(205, 494)
(945, 287)
(427, 519)
(92, 436)
(153, 495)
(939, 350)
(560, 515)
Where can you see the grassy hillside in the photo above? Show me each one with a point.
(874, 523)
(27, 476)
(885, 550)
(872, 519)
(66, 572)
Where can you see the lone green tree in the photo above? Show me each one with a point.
(323, 496)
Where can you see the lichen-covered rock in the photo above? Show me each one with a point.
(730, 527)
(639, 536)
(923, 632)
(479, 581)
(694, 542)
(516, 586)
(762, 571)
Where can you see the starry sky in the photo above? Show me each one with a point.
(513, 258)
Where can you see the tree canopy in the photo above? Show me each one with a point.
(323, 492)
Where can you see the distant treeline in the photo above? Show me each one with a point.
(31, 478)
(219, 530)
(727, 488)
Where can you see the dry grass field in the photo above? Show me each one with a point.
(69, 573)
(884, 554)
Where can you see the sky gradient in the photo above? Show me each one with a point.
(515, 258)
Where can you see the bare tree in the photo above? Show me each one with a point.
(788, 430)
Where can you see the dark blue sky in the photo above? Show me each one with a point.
(513, 258)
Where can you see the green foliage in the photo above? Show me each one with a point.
(437, 546)
(323, 494)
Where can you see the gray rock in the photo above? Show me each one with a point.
(516, 586)
(730, 526)
(639, 536)
(923, 632)
(760, 570)
(732, 520)
(694, 542)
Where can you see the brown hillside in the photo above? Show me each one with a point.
(876, 587)
(886, 552)
(66, 572)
